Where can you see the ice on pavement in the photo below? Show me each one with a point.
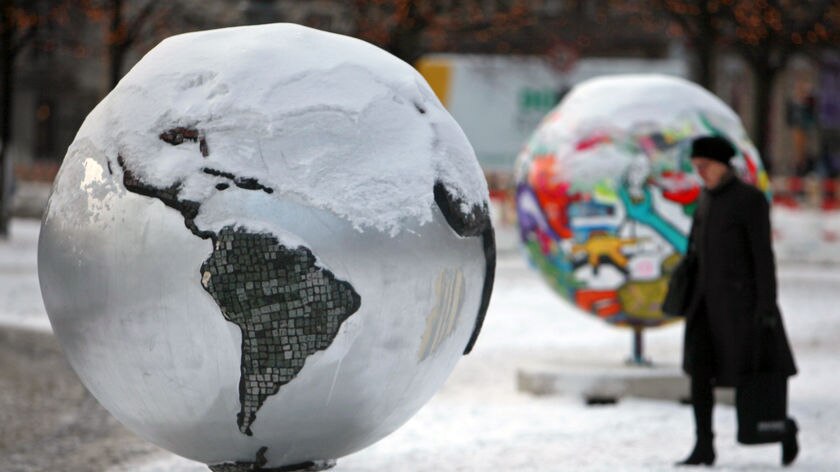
(479, 422)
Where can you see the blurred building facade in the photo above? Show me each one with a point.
(805, 111)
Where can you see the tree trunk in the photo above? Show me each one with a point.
(406, 40)
(117, 57)
(7, 58)
(764, 78)
(116, 46)
(704, 44)
(705, 66)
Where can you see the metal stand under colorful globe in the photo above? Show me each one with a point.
(606, 191)
(267, 247)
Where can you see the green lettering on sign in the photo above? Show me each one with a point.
(537, 100)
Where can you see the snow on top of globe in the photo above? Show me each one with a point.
(619, 109)
(322, 119)
(626, 98)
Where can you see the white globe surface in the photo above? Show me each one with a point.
(249, 255)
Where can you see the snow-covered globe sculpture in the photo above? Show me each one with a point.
(606, 190)
(267, 247)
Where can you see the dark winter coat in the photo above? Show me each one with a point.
(735, 286)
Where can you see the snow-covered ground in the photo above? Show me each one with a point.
(20, 296)
(480, 422)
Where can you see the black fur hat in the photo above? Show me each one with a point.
(712, 147)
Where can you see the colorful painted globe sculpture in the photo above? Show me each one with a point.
(606, 190)
(267, 247)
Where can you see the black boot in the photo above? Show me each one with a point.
(702, 403)
(790, 446)
(703, 453)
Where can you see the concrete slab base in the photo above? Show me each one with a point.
(608, 383)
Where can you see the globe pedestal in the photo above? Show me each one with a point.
(607, 383)
(637, 357)
(311, 466)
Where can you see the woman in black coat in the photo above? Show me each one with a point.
(734, 293)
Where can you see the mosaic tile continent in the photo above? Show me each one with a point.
(286, 306)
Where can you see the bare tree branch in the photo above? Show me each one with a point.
(135, 25)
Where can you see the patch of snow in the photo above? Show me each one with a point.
(323, 119)
(20, 294)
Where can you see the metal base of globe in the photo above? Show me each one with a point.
(637, 357)
(640, 361)
(309, 466)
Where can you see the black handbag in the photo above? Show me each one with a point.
(761, 398)
(681, 286)
(761, 403)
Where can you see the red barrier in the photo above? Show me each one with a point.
(798, 192)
